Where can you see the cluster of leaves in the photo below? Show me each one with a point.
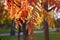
(36, 19)
(3, 13)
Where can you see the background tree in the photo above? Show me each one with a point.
(3, 12)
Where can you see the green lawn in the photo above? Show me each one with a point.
(52, 36)
(55, 36)
(37, 36)
(4, 30)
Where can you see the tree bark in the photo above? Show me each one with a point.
(19, 31)
(12, 29)
(46, 31)
(25, 32)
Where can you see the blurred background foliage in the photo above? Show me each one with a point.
(51, 20)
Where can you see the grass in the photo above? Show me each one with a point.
(54, 36)
(37, 36)
(8, 38)
(4, 30)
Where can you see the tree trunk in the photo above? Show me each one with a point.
(26, 35)
(46, 31)
(25, 32)
(19, 31)
(12, 29)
